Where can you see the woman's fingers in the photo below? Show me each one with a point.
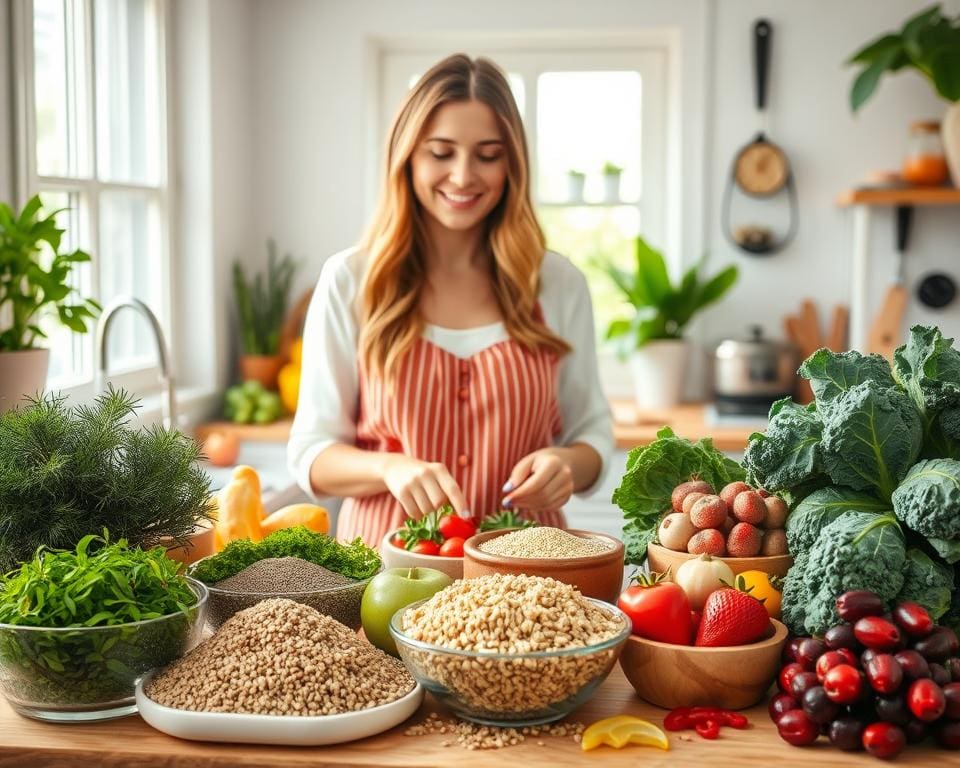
(451, 490)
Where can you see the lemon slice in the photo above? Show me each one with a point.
(621, 730)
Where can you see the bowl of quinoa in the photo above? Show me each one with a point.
(510, 649)
(590, 561)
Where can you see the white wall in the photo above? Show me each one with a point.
(313, 155)
(7, 185)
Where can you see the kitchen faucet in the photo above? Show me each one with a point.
(166, 376)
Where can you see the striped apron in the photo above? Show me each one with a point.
(478, 416)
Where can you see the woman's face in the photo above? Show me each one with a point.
(459, 166)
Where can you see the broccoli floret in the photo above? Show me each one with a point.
(927, 582)
(858, 550)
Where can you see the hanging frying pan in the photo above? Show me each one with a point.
(760, 169)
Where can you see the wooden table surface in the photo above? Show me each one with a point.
(130, 742)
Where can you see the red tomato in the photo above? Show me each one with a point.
(453, 526)
(658, 612)
(426, 547)
(397, 541)
(452, 547)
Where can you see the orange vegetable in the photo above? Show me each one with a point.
(288, 384)
(240, 508)
(310, 515)
(762, 586)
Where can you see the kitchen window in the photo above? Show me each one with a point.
(582, 108)
(92, 140)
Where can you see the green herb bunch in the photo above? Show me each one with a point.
(113, 584)
(505, 518)
(66, 472)
(262, 304)
(354, 560)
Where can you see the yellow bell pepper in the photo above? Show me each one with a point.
(296, 352)
(310, 515)
(288, 384)
(240, 508)
(621, 730)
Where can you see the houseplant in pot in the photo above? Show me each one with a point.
(575, 182)
(611, 182)
(261, 308)
(652, 336)
(928, 43)
(34, 283)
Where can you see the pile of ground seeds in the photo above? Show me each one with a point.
(473, 736)
(513, 614)
(282, 658)
(283, 575)
(544, 543)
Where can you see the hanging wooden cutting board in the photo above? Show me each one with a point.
(884, 335)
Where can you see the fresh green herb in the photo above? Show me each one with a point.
(113, 584)
(505, 518)
(427, 528)
(262, 303)
(114, 613)
(65, 472)
(653, 471)
(355, 559)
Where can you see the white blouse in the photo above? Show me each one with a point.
(329, 386)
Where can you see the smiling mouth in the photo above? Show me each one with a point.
(459, 201)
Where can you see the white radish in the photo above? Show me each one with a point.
(700, 577)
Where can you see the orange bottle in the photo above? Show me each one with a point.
(925, 164)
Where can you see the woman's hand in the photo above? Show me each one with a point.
(541, 481)
(422, 486)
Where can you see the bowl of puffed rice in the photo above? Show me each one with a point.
(510, 649)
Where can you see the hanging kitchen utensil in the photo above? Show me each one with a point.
(884, 335)
(936, 290)
(760, 169)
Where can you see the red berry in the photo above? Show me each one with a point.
(843, 684)
(884, 673)
(827, 662)
(809, 650)
(708, 512)
(938, 646)
(855, 604)
(796, 728)
(913, 619)
(709, 541)
(749, 507)
(730, 491)
(951, 693)
(790, 649)
(781, 704)
(926, 700)
(841, 636)
(914, 666)
(803, 682)
(787, 673)
(684, 489)
(877, 633)
(948, 735)
(850, 657)
(744, 540)
(884, 740)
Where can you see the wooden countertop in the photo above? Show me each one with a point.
(630, 428)
(131, 742)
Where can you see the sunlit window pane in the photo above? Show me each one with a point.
(128, 91)
(61, 96)
(129, 263)
(585, 120)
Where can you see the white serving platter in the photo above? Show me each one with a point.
(276, 729)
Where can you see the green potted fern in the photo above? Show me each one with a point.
(261, 309)
(928, 43)
(652, 336)
(35, 284)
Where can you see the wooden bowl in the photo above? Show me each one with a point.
(599, 576)
(660, 559)
(394, 557)
(671, 676)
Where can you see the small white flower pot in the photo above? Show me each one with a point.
(575, 188)
(611, 187)
(659, 371)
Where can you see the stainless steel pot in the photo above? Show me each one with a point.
(751, 374)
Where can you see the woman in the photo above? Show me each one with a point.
(449, 359)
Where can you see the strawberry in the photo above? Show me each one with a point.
(744, 540)
(731, 617)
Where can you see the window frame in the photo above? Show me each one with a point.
(84, 384)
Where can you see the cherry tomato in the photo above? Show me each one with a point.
(660, 611)
(426, 548)
(843, 684)
(452, 547)
(453, 526)
(397, 541)
(884, 740)
(926, 700)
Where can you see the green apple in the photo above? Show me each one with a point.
(390, 591)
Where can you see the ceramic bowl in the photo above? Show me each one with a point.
(599, 576)
(735, 677)
(660, 559)
(510, 689)
(394, 557)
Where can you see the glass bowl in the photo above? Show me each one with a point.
(511, 689)
(340, 603)
(68, 674)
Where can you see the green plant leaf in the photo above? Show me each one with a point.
(870, 52)
(866, 82)
(945, 71)
(652, 280)
(915, 24)
(717, 286)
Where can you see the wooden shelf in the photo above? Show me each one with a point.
(900, 196)
(632, 427)
(277, 432)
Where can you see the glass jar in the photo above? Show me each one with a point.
(925, 164)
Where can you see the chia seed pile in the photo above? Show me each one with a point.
(282, 658)
(545, 543)
(283, 575)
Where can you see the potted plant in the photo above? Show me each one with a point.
(34, 281)
(575, 181)
(611, 182)
(261, 308)
(653, 335)
(930, 44)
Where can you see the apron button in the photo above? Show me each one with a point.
(463, 460)
(464, 393)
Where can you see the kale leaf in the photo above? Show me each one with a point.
(821, 508)
(928, 499)
(831, 374)
(788, 454)
(926, 582)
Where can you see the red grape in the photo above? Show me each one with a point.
(877, 633)
(926, 700)
(883, 740)
(796, 728)
(913, 619)
(914, 666)
(843, 684)
(780, 704)
(884, 673)
(846, 733)
(818, 705)
(854, 605)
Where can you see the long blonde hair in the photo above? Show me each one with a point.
(395, 274)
